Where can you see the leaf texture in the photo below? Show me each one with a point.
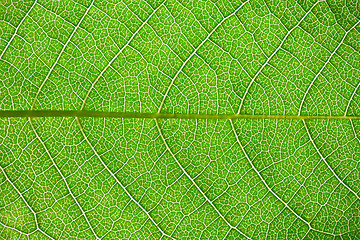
(234, 119)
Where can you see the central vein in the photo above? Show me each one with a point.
(84, 113)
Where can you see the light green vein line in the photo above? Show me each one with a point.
(99, 114)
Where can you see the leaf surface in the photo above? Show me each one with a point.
(179, 119)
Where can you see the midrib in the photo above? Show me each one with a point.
(99, 114)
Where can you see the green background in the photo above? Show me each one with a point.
(120, 178)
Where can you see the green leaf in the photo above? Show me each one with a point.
(179, 119)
